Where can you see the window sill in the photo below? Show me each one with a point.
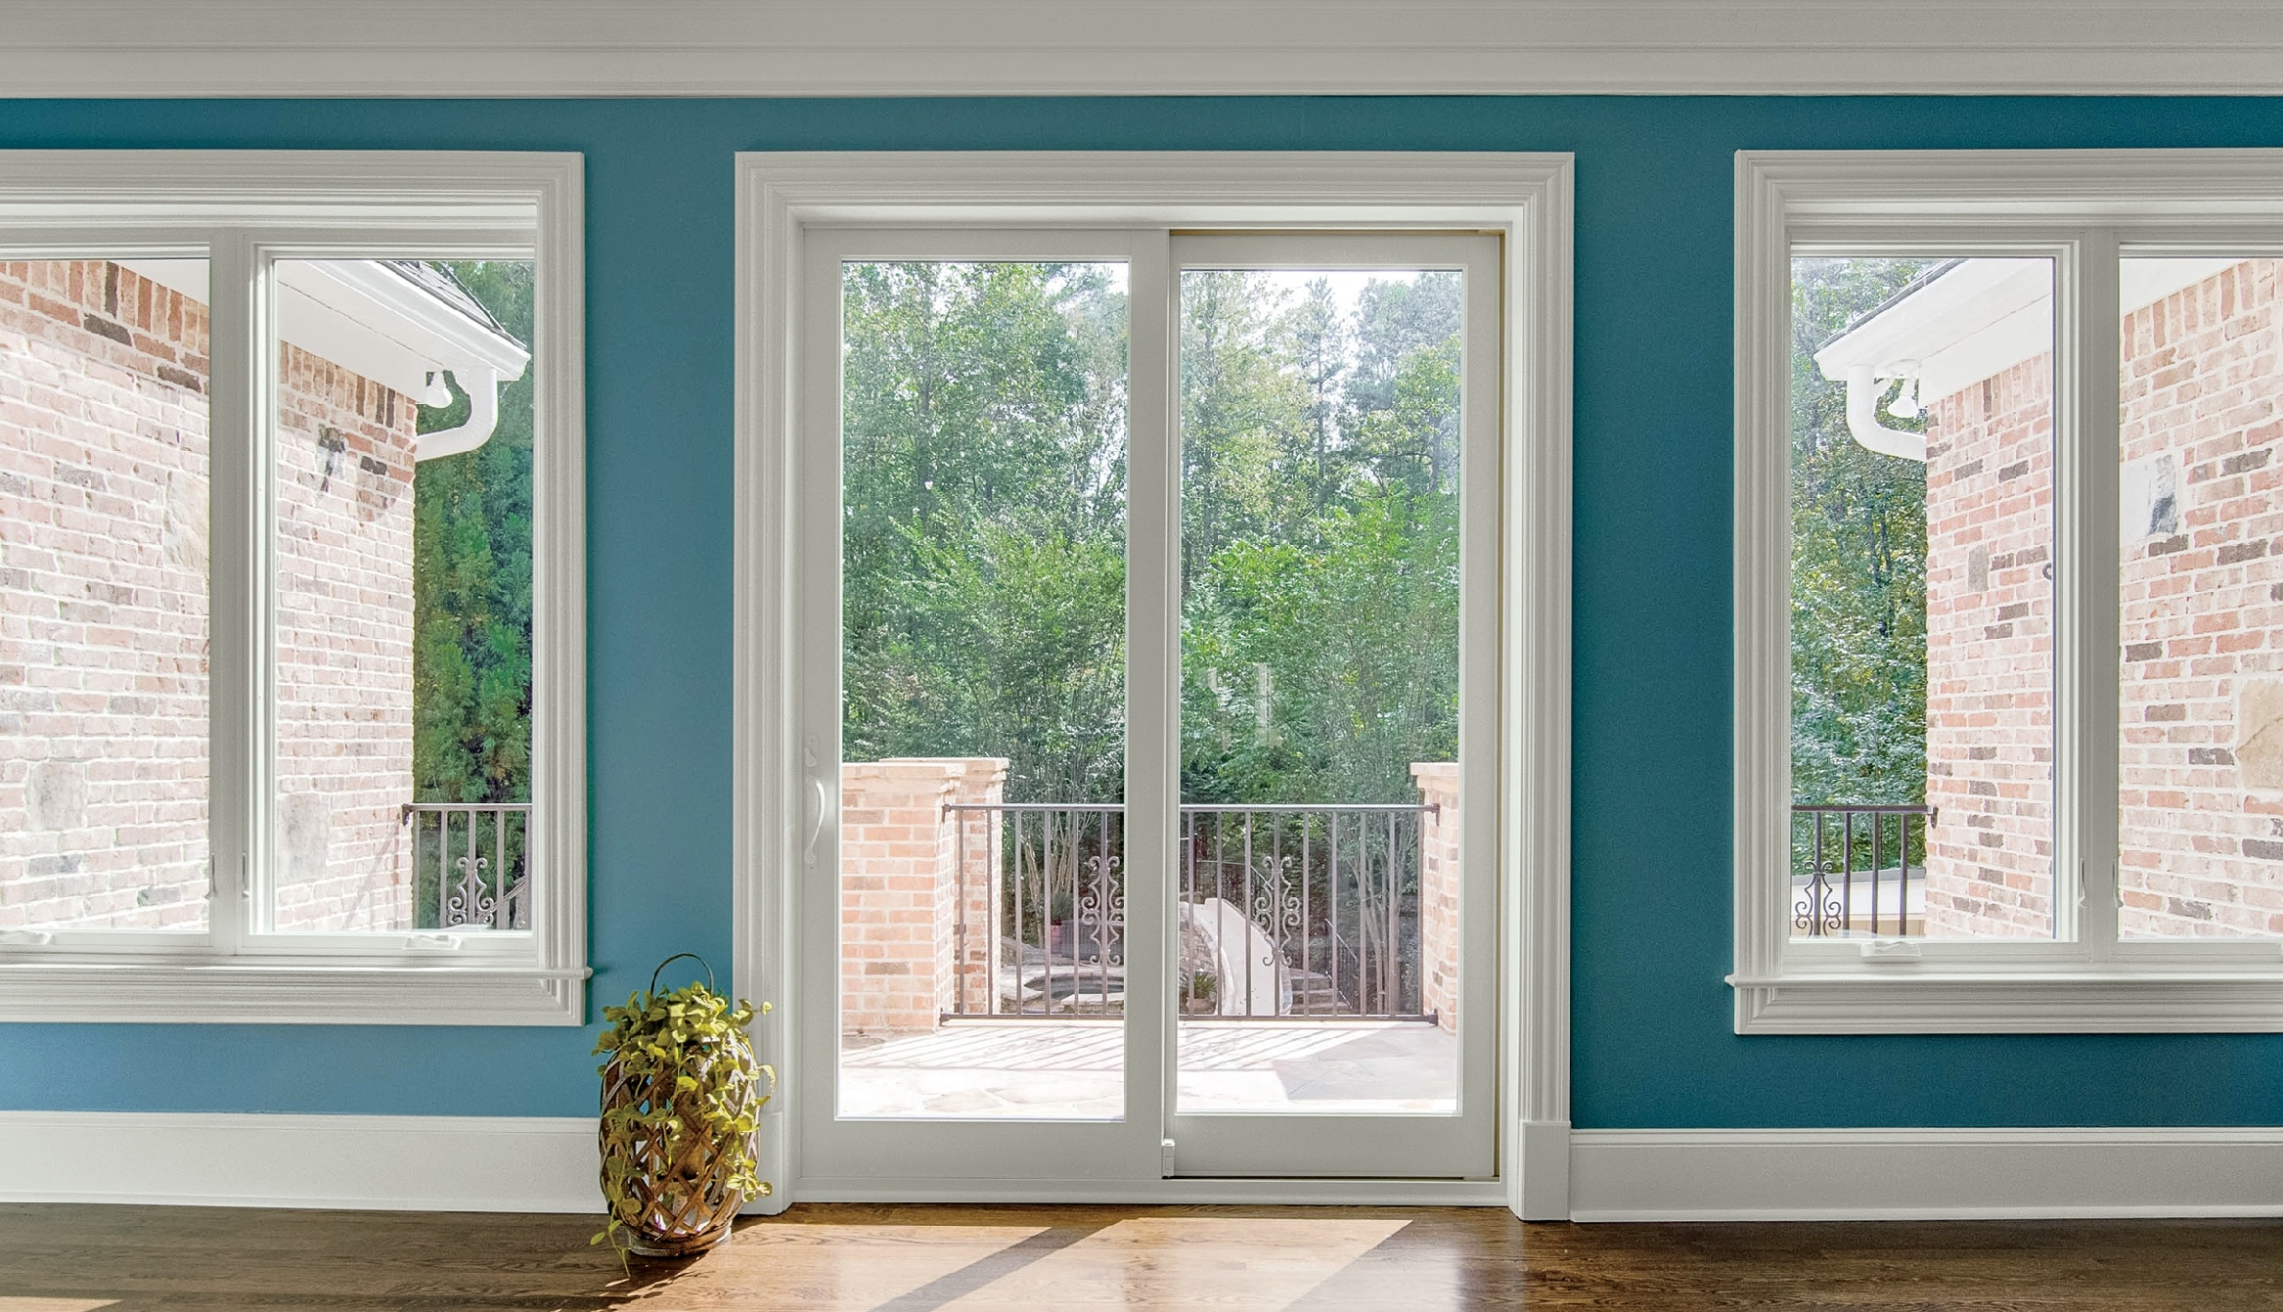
(2075, 1002)
(245, 992)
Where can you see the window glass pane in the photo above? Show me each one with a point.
(103, 595)
(403, 596)
(983, 675)
(1922, 598)
(1318, 889)
(2201, 601)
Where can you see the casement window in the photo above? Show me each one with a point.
(291, 579)
(2009, 608)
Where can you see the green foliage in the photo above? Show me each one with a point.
(471, 596)
(984, 544)
(983, 585)
(691, 1041)
(1321, 549)
(1858, 566)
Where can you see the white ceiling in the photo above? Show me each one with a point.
(977, 47)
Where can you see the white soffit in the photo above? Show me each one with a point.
(1984, 316)
(75, 48)
(368, 320)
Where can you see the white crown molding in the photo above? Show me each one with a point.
(1924, 1174)
(143, 48)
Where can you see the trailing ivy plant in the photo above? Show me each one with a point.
(695, 1093)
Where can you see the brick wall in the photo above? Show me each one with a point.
(103, 611)
(1989, 662)
(103, 617)
(900, 891)
(344, 618)
(2201, 610)
(1439, 891)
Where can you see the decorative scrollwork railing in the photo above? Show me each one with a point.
(470, 864)
(1859, 870)
(1325, 901)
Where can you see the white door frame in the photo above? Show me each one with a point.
(1523, 197)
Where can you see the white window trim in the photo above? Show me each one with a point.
(242, 209)
(1525, 197)
(2076, 206)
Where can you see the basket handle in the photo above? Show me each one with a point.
(678, 957)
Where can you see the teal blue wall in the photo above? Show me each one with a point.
(1653, 1041)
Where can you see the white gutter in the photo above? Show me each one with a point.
(483, 416)
(378, 324)
(1974, 321)
(1863, 391)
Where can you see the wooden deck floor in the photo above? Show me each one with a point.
(915, 1259)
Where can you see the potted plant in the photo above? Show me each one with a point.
(681, 1099)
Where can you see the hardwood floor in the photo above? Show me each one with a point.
(1228, 1259)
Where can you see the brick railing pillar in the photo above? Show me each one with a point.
(969, 921)
(1439, 891)
(900, 889)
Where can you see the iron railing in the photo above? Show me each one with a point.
(1855, 867)
(470, 864)
(1325, 900)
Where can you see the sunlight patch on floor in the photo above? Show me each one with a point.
(1229, 1264)
(827, 1268)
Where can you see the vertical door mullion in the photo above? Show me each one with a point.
(1153, 674)
(2087, 651)
(817, 545)
(238, 583)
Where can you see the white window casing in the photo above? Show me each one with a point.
(230, 221)
(2078, 209)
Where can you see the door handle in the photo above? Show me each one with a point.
(816, 826)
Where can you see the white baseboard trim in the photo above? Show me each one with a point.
(1918, 1174)
(547, 1164)
(413, 1163)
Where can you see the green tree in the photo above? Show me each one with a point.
(1858, 565)
(471, 570)
(983, 565)
(1320, 645)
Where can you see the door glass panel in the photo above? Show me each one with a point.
(2200, 762)
(1317, 892)
(983, 690)
(403, 596)
(1922, 572)
(104, 485)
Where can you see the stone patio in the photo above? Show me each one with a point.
(1071, 1070)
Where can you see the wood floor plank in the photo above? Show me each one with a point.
(1214, 1259)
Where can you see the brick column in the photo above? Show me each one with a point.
(972, 892)
(900, 890)
(1439, 891)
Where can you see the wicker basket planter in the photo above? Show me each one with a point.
(681, 1098)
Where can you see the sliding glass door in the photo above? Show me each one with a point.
(1147, 658)
(1338, 415)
